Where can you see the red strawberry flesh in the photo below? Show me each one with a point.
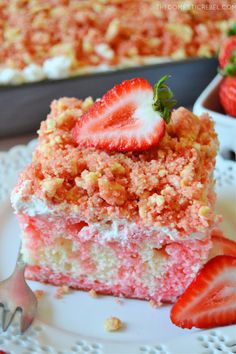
(210, 300)
(123, 120)
(227, 94)
(226, 51)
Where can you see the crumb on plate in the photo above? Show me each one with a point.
(62, 290)
(39, 294)
(93, 293)
(155, 304)
(113, 324)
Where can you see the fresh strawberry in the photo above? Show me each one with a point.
(210, 300)
(227, 51)
(227, 95)
(129, 117)
(222, 245)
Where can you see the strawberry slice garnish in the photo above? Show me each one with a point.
(222, 245)
(210, 300)
(129, 117)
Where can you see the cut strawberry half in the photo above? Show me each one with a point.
(222, 245)
(227, 95)
(129, 117)
(227, 52)
(210, 300)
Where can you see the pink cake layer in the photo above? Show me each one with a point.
(147, 265)
(168, 185)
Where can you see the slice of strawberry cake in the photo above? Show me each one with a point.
(119, 195)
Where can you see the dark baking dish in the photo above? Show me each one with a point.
(24, 106)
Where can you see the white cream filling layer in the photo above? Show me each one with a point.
(109, 230)
(120, 230)
(33, 206)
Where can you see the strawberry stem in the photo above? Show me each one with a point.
(162, 99)
(230, 68)
(232, 30)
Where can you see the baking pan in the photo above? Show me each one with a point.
(23, 107)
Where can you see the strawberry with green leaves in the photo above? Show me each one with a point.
(227, 60)
(129, 117)
(227, 56)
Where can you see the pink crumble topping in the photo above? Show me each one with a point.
(170, 184)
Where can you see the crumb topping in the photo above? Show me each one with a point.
(147, 187)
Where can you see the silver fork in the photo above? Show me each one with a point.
(16, 295)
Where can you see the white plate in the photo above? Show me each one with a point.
(74, 324)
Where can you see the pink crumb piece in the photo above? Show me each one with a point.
(119, 301)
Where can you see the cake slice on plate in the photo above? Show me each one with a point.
(116, 199)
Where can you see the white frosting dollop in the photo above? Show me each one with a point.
(33, 73)
(57, 67)
(11, 76)
(33, 206)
